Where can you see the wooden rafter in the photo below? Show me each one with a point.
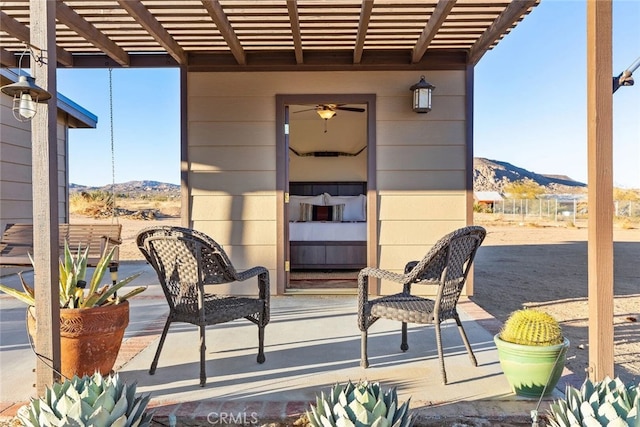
(292, 7)
(224, 26)
(7, 58)
(246, 33)
(21, 32)
(142, 15)
(89, 32)
(363, 26)
(506, 19)
(434, 23)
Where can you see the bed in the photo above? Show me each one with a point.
(327, 225)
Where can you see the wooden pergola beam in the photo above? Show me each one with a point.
(509, 15)
(434, 23)
(600, 188)
(224, 26)
(363, 27)
(7, 58)
(14, 28)
(294, 19)
(142, 15)
(88, 31)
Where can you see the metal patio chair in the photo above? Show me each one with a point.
(186, 260)
(446, 265)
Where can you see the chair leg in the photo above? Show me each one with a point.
(404, 346)
(154, 364)
(440, 355)
(364, 359)
(261, 357)
(466, 342)
(203, 348)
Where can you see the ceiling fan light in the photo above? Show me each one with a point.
(326, 113)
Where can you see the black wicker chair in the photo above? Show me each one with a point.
(186, 260)
(447, 265)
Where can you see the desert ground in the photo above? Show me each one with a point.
(528, 265)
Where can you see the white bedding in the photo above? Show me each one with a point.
(327, 231)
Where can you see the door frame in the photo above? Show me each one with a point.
(282, 177)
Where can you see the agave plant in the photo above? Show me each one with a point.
(362, 404)
(88, 401)
(604, 403)
(73, 286)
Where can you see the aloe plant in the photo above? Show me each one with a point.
(362, 404)
(72, 283)
(88, 401)
(603, 403)
(532, 327)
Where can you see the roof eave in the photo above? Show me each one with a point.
(80, 117)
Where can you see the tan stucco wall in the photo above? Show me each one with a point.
(15, 168)
(231, 143)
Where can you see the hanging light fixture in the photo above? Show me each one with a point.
(25, 93)
(325, 112)
(422, 95)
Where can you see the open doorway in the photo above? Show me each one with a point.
(328, 164)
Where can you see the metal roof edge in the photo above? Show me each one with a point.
(83, 117)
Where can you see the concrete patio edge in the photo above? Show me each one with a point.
(283, 413)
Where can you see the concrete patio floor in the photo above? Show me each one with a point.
(311, 343)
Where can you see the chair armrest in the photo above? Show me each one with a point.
(111, 240)
(263, 287)
(247, 274)
(363, 289)
(381, 274)
(263, 279)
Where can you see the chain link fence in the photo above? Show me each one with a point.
(554, 209)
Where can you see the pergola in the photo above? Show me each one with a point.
(304, 35)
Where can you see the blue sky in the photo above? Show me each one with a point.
(530, 105)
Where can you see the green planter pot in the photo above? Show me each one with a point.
(529, 368)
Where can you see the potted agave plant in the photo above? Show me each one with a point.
(93, 317)
(532, 352)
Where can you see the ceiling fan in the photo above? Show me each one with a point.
(327, 111)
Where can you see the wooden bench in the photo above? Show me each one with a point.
(17, 243)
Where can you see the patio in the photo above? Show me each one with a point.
(312, 342)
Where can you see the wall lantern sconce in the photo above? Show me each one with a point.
(422, 96)
(325, 112)
(25, 93)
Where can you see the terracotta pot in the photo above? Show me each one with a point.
(90, 338)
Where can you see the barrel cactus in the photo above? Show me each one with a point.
(604, 403)
(88, 401)
(531, 327)
(362, 404)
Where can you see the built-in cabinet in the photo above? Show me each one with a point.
(328, 255)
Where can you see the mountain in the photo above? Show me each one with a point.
(133, 188)
(488, 175)
(493, 175)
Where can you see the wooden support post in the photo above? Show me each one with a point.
(44, 146)
(600, 182)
